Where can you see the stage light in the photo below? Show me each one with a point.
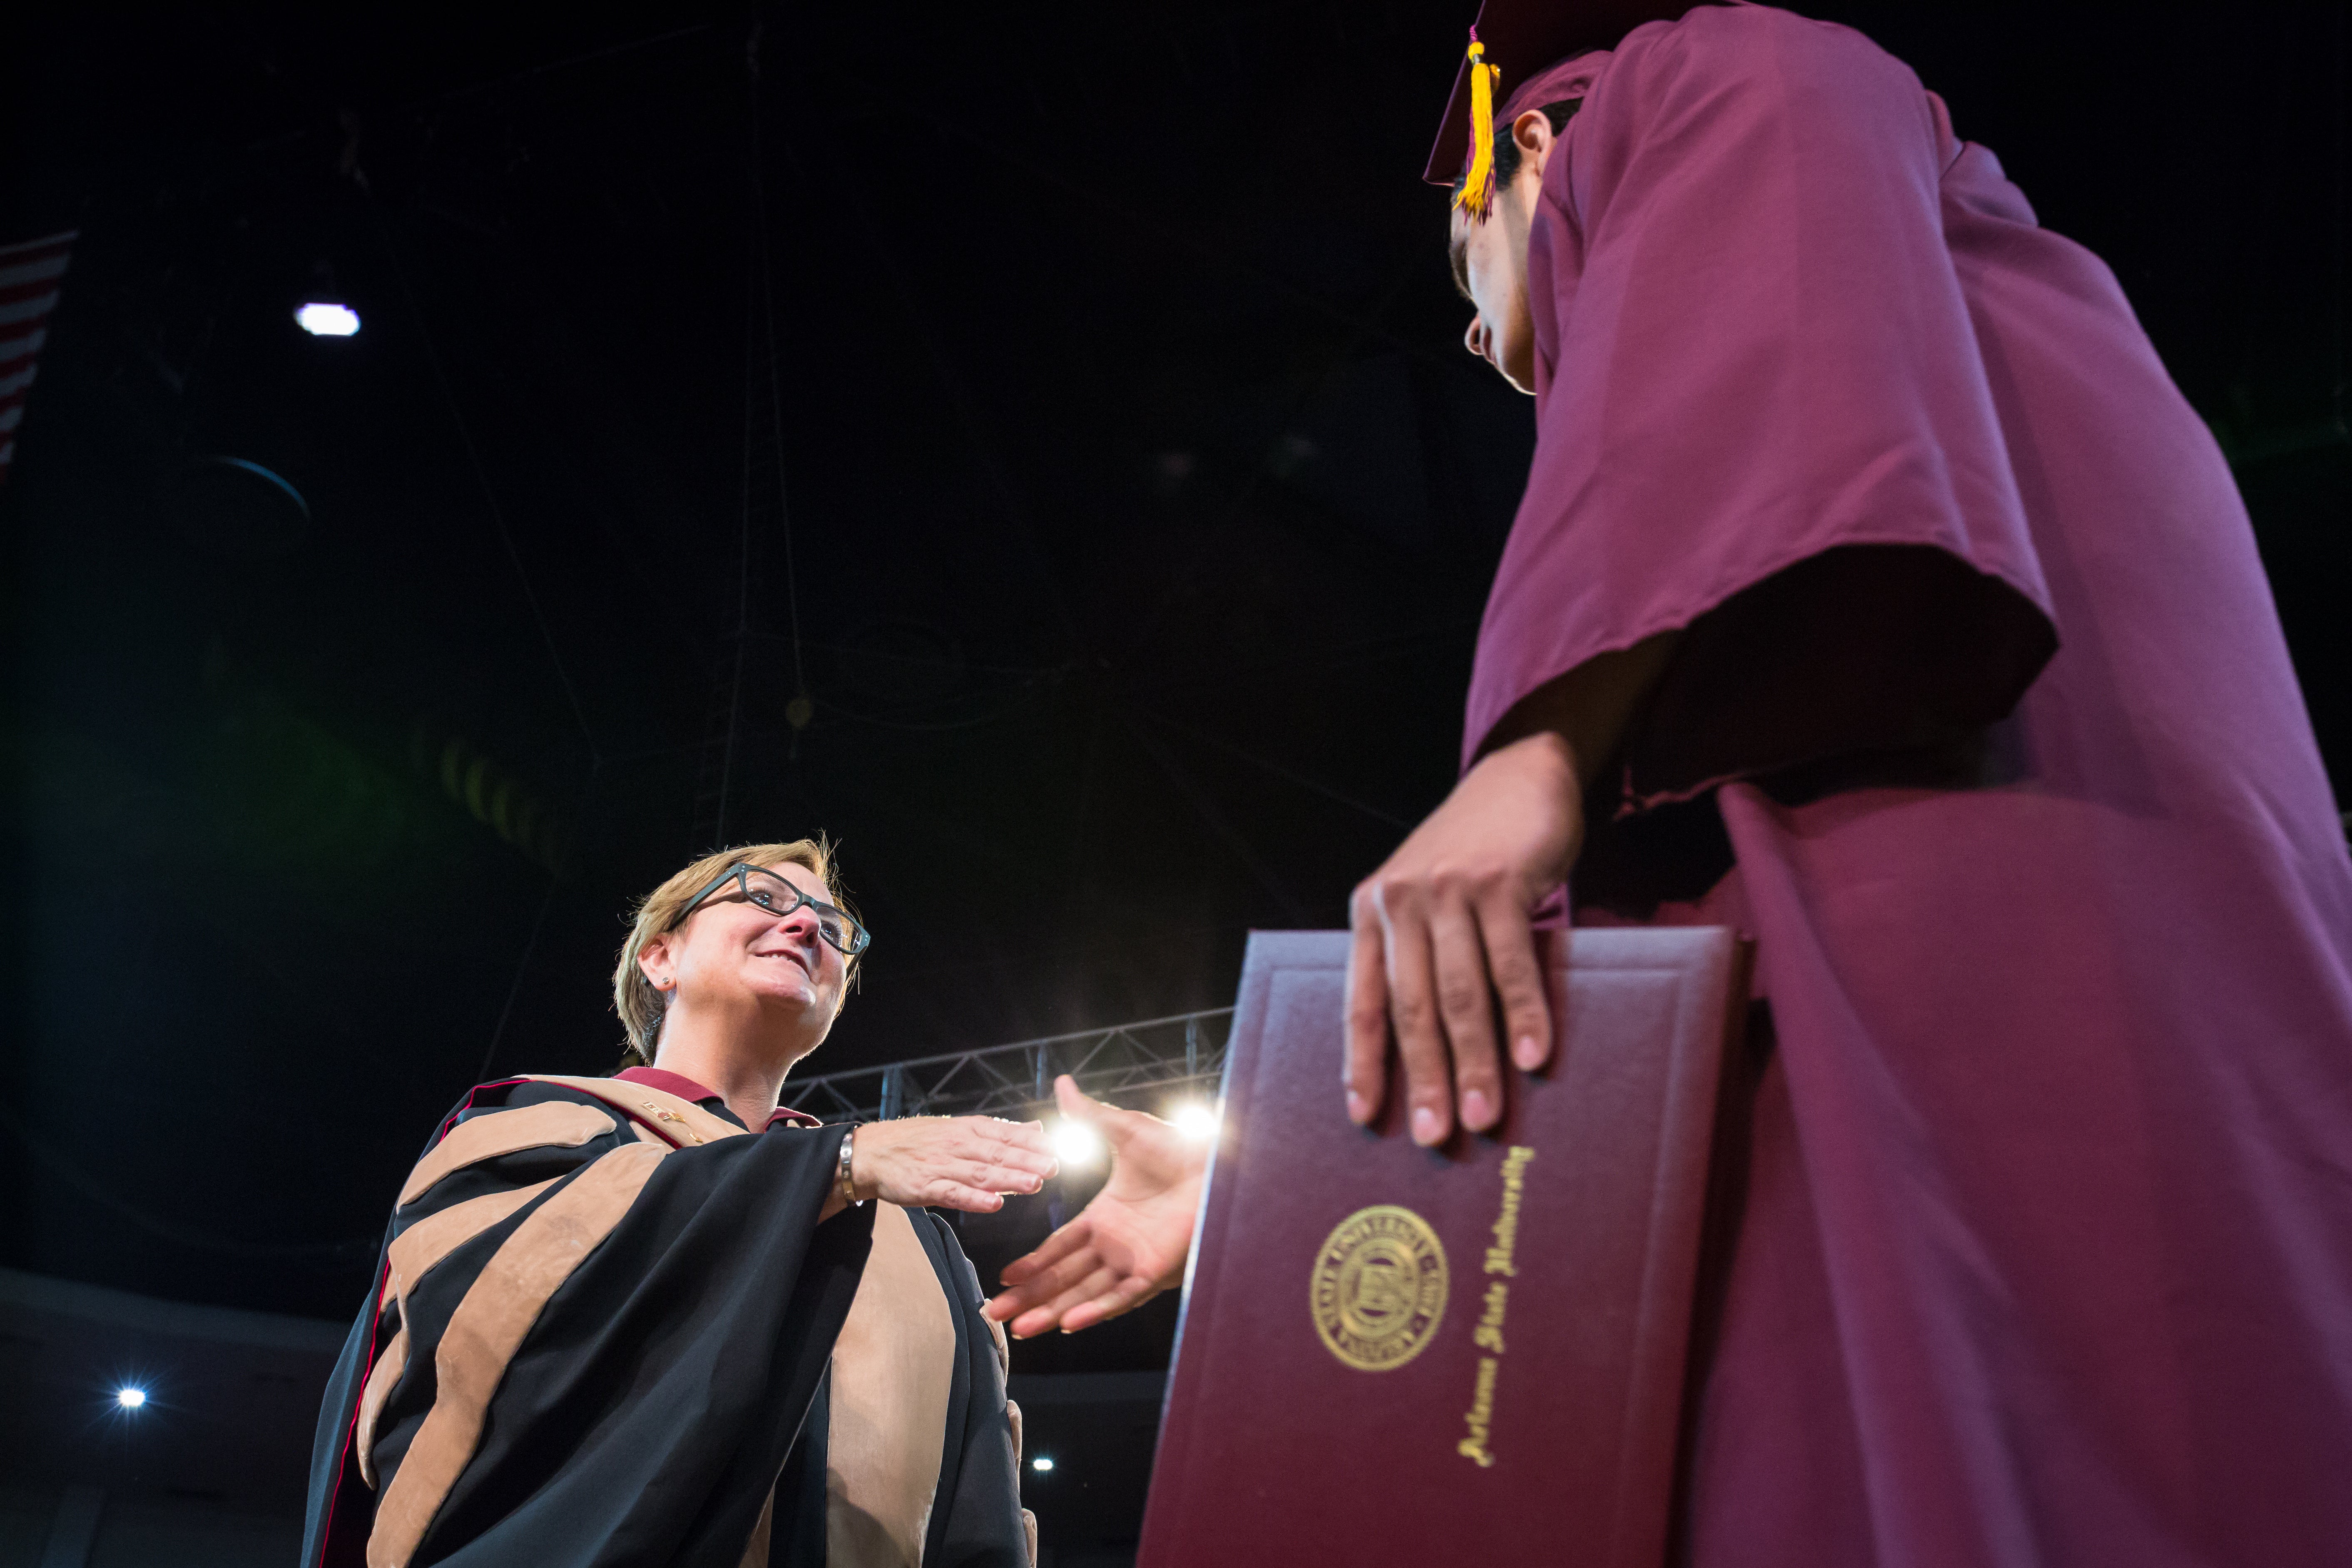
(1196, 1119)
(1041, 1464)
(1076, 1144)
(324, 321)
(129, 1398)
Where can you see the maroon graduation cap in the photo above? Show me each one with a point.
(1512, 42)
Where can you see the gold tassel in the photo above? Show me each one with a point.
(1477, 192)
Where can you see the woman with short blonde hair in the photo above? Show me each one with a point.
(654, 1318)
(635, 997)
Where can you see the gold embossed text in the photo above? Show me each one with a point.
(1488, 1334)
(1482, 1414)
(1506, 1224)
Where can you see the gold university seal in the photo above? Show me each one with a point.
(1379, 1287)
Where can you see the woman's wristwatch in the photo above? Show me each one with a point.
(848, 1188)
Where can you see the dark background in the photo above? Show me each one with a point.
(1068, 405)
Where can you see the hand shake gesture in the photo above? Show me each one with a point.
(1129, 1244)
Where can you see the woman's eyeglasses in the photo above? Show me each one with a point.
(757, 885)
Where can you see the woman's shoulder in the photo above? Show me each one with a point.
(658, 1113)
(532, 1110)
(502, 1131)
(520, 1091)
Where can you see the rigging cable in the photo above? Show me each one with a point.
(481, 472)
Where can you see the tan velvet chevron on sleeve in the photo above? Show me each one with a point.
(416, 1249)
(413, 1254)
(892, 1368)
(680, 1121)
(1028, 1520)
(489, 1325)
(381, 1378)
(557, 1123)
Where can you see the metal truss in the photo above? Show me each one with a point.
(1117, 1064)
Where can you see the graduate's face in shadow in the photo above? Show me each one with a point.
(1490, 260)
(732, 957)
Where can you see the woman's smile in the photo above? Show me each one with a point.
(805, 961)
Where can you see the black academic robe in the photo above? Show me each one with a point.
(599, 1322)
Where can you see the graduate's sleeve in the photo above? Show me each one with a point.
(977, 1520)
(1763, 417)
(586, 1342)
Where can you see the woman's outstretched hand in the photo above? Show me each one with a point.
(1128, 1245)
(953, 1162)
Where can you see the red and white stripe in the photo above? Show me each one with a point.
(30, 274)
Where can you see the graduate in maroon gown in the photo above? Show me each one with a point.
(1875, 591)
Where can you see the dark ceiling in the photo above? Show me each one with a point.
(1069, 406)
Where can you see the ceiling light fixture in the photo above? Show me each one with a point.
(321, 320)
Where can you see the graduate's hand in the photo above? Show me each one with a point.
(949, 1162)
(1442, 928)
(1128, 1245)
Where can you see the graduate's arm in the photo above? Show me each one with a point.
(1126, 1244)
(1590, 709)
(1518, 815)
(1443, 925)
(1130, 1242)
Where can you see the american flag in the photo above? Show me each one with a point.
(30, 276)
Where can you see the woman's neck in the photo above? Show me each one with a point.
(743, 1067)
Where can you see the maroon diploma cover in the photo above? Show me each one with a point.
(1477, 1355)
